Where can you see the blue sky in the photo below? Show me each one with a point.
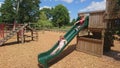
(74, 6)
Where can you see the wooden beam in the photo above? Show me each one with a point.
(32, 35)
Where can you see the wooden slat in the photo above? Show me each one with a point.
(96, 20)
(90, 46)
(96, 29)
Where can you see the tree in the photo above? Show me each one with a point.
(43, 16)
(73, 21)
(7, 11)
(60, 16)
(28, 11)
(20, 10)
(43, 21)
(48, 12)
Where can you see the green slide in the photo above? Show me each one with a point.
(43, 58)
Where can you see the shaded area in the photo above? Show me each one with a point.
(15, 42)
(113, 54)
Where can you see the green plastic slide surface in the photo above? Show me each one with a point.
(44, 57)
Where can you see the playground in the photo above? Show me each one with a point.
(92, 41)
(25, 55)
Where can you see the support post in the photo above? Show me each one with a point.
(102, 38)
(32, 35)
(22, 36)
(36, 35)
(18, 38)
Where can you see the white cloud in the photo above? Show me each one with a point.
(95, 6)
(45, 7)
(68, 1)
(69, 12)
(82, 1)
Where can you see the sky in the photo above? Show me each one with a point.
(74, 6)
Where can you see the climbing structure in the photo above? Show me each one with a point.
(102, 26)
(34, 33)
(2, 30)
(19, 30)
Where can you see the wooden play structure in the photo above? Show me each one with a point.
(102, 25)
(2, 30)
(20, 30)
(94, 41)
(98, 39)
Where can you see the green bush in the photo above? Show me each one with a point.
(42, 24)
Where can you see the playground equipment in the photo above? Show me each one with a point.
(2, 30)
(19, 30)
(93, 42)
(34, 33)
(102, 25)
(45, 57)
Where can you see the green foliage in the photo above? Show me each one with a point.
(28, 11)
(118, 2)
(72, 22)
(60, 16)
(47, 11)
(7, 11)
(78, 18)
(43, 21)
(0, 20)
(43, 16)
(44, 24)
(20, 10)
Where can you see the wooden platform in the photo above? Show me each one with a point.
(90, 46)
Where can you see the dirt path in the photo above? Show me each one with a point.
(25, 55)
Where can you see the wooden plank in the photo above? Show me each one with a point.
(89, 40)
(96, 20)
(91, 12)
(90, 46)
(96, 29)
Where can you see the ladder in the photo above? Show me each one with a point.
(12, 33)
(35, 33)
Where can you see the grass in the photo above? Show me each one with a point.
(62, 28)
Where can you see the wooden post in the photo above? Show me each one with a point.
(22, 36)
(36, 36)
(18, 37)
(77, 38)
(102, 38)
(2, 30)
(32, 35)
(107, 41)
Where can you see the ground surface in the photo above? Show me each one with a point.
(14, 55)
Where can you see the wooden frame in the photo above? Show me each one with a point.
(90, 46)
